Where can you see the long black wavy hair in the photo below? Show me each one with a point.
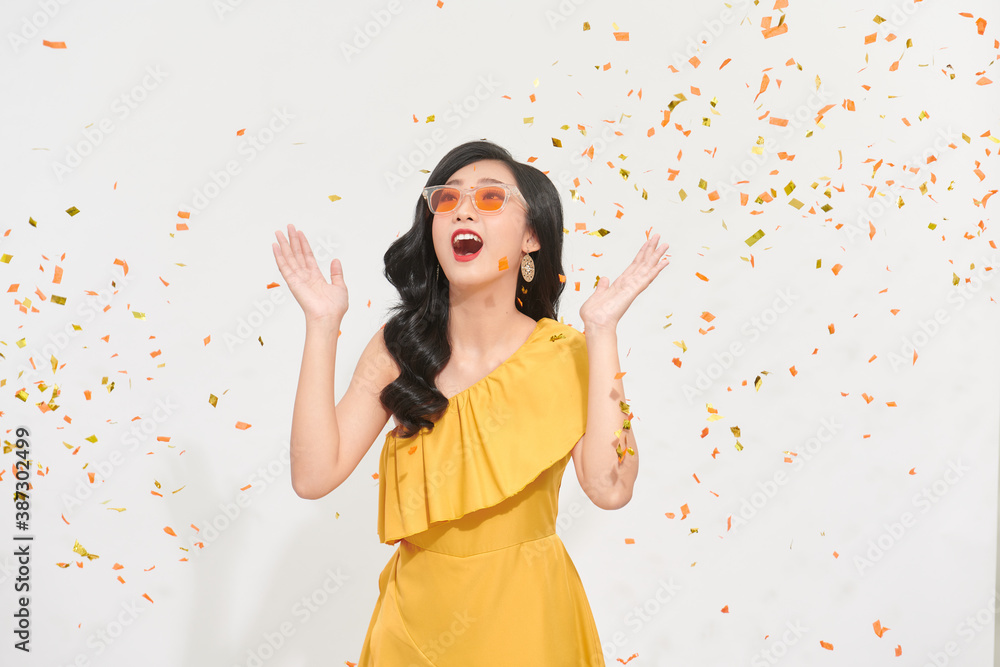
(416, 333)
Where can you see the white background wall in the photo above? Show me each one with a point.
(137, 119)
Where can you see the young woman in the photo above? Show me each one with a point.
(491, 396)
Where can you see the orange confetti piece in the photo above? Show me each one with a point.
(879, 630)
(629, 540)
(242, 425)
(117, 566)
(899, 650)
(169, 531)
(503, 263)
(775, 31)
(623, 36)
(684, 511)
(183, 214)
(619, 376)
(120, 579)
(827, 645)
(145, 595)
(694, 61)
(836, 555)
(725, 62)
(780, 122)
(374, 475)
(836, 269)
(831, 328)
(913, 471)
(870, 38)
(981, 25)
(725, 610)
(669, 515)
(53, 45)
(701, 276)
(64, 519)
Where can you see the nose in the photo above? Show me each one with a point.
(465, 208)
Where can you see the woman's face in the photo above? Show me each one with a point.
(503, 235)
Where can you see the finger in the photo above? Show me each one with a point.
(336, 272)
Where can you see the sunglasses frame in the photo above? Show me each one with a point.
(509, 189)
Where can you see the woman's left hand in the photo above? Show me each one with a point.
(609, 301)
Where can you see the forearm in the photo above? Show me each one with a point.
(315, 436)
(608, 481)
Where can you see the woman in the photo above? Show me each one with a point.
(491, 397)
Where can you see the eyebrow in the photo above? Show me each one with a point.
(487, 179)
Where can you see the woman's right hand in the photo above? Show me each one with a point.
(320, 300)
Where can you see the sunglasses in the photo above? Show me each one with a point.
(485, 198)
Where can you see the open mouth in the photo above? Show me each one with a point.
(466, 245)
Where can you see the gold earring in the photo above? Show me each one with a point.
(527, 268)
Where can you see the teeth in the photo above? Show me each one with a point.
(466, 237)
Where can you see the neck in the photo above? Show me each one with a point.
(485, 320)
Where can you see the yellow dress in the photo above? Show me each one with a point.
(479, 577)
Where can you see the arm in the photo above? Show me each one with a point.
(607, 478)
(607, 481)
(327, 441)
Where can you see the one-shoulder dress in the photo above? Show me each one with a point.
(479, 577)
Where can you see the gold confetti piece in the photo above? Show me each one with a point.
(682, 194)
(430, 119)
(789, 187)
(795, 203)
(600, 232)
(878, 19)
(757, 383)
(756, 236)
(528, 120)
(72, 210)
(586, 25)
(624, 173)
(556, 143)
(334, 197)
(138, 316)
(556, 337)
(78, 548)
(61, 300)
(739, 447)
(91, 439)
(5, 258)
(117, 509)
(703, 184)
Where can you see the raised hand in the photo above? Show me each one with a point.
(609, 301)
(320, 300)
